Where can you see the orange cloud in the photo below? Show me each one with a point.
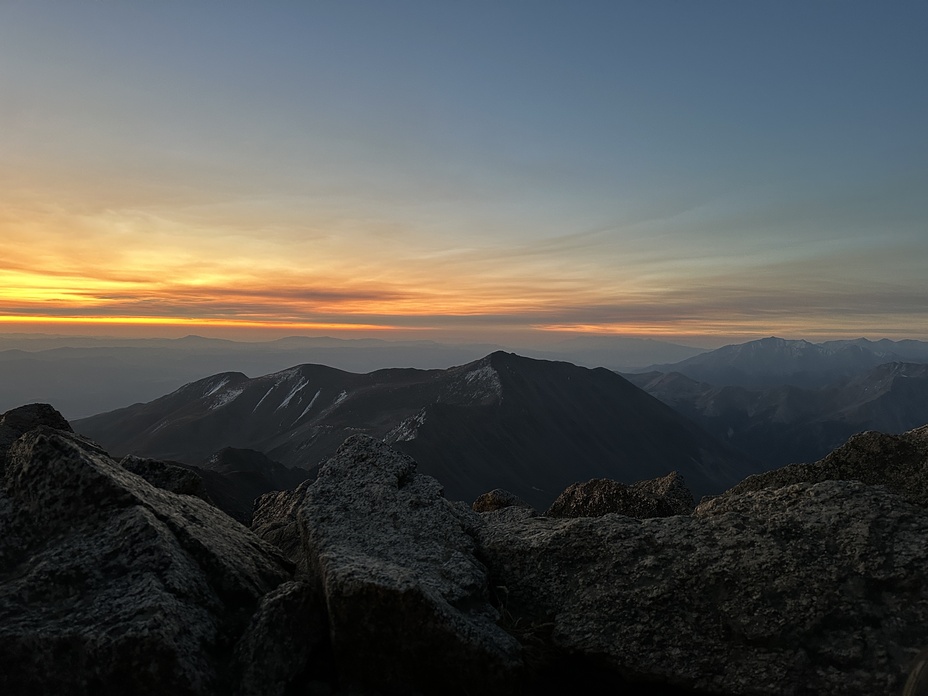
(181, 268)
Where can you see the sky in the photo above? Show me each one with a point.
(696, 171)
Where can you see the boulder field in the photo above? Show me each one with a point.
(368, 581)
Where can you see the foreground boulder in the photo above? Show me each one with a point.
(18, 421)
(283, 651)
(170, 477)
(275, 520)
(807, 589)
(406, 597)
(660, 497)
(110, 585)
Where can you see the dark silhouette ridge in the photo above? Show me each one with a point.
(531, 427)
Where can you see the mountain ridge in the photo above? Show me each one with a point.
(777, 361)
(530, 426)
(784, 424)
(87, 375)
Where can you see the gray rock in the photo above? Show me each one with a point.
(917, 683)
(899, 462)
(170, 477)
(109, 585)
(806, 589)
(406, 597)
(659, 497)
(18, 421)
(24, 418)
(283, 639)
(497, 499)
(671, 489)
(274, 519)
(509, 514)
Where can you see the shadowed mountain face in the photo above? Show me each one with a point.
(775, 361)
(788, 424)
(532, 427)
(235, 477)
(86, 375)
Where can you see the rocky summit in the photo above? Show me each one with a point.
(899, 462)
(807, 589)
(369, 581)
(660, 497)
(408, 600)
(111, 585)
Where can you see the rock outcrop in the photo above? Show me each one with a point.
(659, 497)
(497, 499)
(109, 585)
(284, 650)
(899, 462)
(807, 589)
(671, 489)
(112, 585)
(406, 598)
(275, 521)
(18, 421)
(170, 477)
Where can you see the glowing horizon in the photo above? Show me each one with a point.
(656, 170)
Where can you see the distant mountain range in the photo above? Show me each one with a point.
(777, 361)
(823, 394)
(532, 427)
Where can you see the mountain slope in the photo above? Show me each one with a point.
(786, 424)
(530, 426)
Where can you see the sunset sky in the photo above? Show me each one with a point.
(693, 171)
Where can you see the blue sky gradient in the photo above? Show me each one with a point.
(675, 169)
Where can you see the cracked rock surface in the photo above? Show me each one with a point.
(899, 462)
(406, 596)
(660, 497)
(109, 585)
(805, 589)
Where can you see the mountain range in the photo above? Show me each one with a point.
(821, 394)
(381, 583)
(83, 376)
(775, 361)
(532, 427)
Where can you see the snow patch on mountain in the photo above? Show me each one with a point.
(407, 430)
(311, 402)
(213, 388)
(485, 380)
(161, 425)
(300, 386)
(285, 375)
(332, 406)
(261, 401)
(226, 397)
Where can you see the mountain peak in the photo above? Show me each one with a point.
(530, 426)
